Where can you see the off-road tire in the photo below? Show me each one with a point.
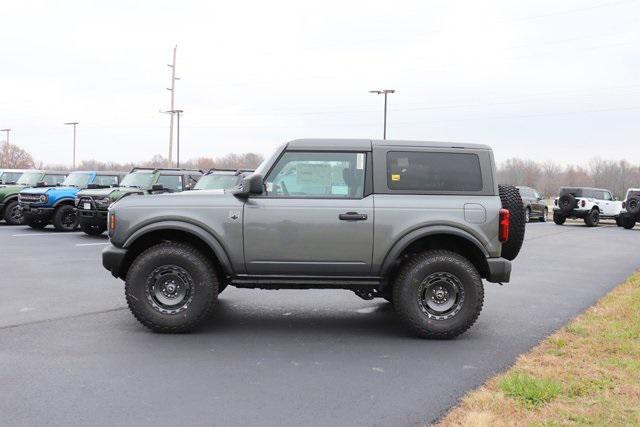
(619, 221)
(545, 215)
(93, 229)
(36, 224)
(407, 286)
(593, 218)
(204, 283)
(558, 219)
(628, 223)
(61, 217)
(11, 213)
(527, 215)
(512, 201)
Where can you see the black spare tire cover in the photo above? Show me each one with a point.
(633, 205)
(512, 201)
(567, 202)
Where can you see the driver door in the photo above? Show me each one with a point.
(313, 219)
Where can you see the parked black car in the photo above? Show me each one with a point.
(534, 205)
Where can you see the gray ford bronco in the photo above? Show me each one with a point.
(417, 223)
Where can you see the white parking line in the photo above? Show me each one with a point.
(93, 244)
(46, 234)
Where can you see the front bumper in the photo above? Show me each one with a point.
(92, 216)
(113, 259)
(499, 270)
(39, 213)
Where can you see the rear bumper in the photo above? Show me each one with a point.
(92, 216)
(623, 215)
(573, 213)
(113, 259)
(499, 270)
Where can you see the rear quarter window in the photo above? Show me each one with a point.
(433, 171)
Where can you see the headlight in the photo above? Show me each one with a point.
(103, 203)
(43, 198)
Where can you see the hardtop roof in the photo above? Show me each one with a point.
(367, 144)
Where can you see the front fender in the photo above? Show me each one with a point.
(63, 201)
(192, 229)
(422, 232)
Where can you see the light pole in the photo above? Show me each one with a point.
(7, 132)
(384, 92)
(74, 141)
(178, 113)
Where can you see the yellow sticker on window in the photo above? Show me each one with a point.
(395, 177)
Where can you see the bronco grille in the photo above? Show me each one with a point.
(85, 200)
(29, 198)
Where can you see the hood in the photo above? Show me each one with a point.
(114, 193)
(51, 190)
(6, 190)
(208, 198)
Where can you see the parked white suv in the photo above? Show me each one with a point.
(630, 209)
(590, 204)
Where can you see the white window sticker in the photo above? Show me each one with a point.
(360, 161)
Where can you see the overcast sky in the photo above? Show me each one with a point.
(536, 79)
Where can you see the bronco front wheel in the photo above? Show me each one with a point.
(171, 287)
(65, 218)
(438, 294)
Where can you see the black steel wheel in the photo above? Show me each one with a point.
(593, 218)
(438, 294)
(171, 287)
(65, 218)
(13, 213)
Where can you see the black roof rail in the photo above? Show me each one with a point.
(168, 169)
(237, 171)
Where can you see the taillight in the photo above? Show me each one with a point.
(624, 205)
(503, 230)
(112, 221)
(583, 203)
(555, 202)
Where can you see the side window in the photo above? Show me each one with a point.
(607, 196)
(106, 180)
(433, 171)
(171, 182)
(191, 181)
(53, 179)
(317, 174)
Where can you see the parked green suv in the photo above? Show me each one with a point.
(92, 203)
(9, 193)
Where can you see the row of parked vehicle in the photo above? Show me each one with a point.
(586, 203)
(38, 198)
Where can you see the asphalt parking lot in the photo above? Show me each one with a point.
(70, 352)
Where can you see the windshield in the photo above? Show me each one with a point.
(7, 177)
(30, 178)
(632, 193)
(80, 180)
(138, 180)
(216, 182)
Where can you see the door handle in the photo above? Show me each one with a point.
(352, 216)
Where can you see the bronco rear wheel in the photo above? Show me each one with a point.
(628, 223)
(438, 294)
(558, 219)
(512, 201)
(171, 287)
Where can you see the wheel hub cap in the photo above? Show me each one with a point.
(169, 289)
(440, 296)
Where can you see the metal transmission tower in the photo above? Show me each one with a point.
(171, 111)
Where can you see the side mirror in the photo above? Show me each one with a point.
(157, 187)
(41, 184)
(251, 185)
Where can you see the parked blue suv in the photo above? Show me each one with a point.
(44, 205)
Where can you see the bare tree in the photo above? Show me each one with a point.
(14, 157)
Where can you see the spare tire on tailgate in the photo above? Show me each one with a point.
(633, 205)
(512, 201)
(567, 202)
